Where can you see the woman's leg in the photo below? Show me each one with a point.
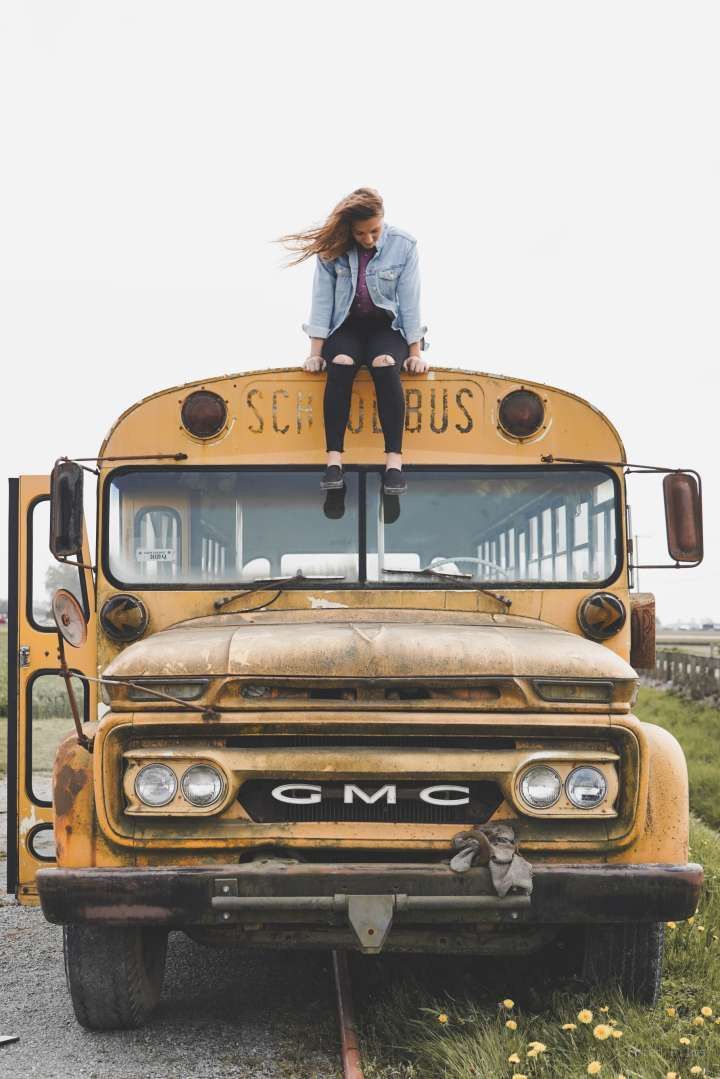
(387, 350)
(336, 404)
(340, 352)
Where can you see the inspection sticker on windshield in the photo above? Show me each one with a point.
(155, 554)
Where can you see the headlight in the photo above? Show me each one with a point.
(202, 785)
(586, 787)
(184, 691)
(582, 692)
(156, 784)
(540, 787)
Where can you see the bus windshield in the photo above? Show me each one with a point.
(201, 527)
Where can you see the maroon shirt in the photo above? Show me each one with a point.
(362, 304)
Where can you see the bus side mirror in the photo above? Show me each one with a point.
(66, 510)
(683, 516)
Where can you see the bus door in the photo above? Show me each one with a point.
(39, 713)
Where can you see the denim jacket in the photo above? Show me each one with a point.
(393, 281)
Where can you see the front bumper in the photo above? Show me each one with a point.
(274, 893)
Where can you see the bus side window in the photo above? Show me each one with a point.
(157, 541)
(46, 574)
(49, 719)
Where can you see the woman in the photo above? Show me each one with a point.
(365, 310)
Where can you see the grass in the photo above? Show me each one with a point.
(403, 1035)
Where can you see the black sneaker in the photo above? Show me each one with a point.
(334, 505)
(390, 509)
(394, 482)
(332, 479)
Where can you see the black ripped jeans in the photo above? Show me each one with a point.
(363, 338)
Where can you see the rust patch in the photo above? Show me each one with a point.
(68, 784)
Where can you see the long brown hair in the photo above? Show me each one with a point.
(334, 237)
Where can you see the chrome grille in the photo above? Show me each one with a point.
(256, 798)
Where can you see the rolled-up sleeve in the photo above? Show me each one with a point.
(408, 294)
(323, 298)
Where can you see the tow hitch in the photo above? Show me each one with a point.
(369, 916)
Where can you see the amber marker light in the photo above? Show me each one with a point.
(203, 414)
(601, 615)
(123, 618)
(521, 413)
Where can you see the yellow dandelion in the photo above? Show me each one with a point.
(442, 1018)
(699, 928)
(696, 1070)
(717, 1022)
(617, 1034)
(602, 1031)
(604, 1008)
(691, 921)
(671, 925)
(684, 1041)
(707, 1012)
(672, 1012)
(573, 1026)
(519, 1075)
(698, 1021)
(540, 1047)
(531, 1053)
(671, 1075)
(594, 1067)
(511, 1024)
(507, 1003)
(585, 1016)
(513, 1059)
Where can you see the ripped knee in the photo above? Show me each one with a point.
(383, 361)
(343, 359)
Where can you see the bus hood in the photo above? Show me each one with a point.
(367, 644)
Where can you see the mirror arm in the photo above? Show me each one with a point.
(136, 457)
(80, 565)
(549, 459)
(83, 740)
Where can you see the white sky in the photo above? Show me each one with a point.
(559, 164)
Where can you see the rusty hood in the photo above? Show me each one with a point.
(367, 644)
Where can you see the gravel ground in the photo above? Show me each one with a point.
(223, 1013)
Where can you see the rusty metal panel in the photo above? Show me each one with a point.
(642, 618)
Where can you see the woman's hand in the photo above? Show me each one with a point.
(416, 364)
(314, 362)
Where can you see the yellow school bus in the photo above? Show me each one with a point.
(342, 720)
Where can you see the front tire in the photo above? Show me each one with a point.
(628, 956)
(114, 974)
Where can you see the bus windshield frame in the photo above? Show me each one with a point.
(364, 479)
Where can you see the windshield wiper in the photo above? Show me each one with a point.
(465, 579)
(278, 583)
(428, 572)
